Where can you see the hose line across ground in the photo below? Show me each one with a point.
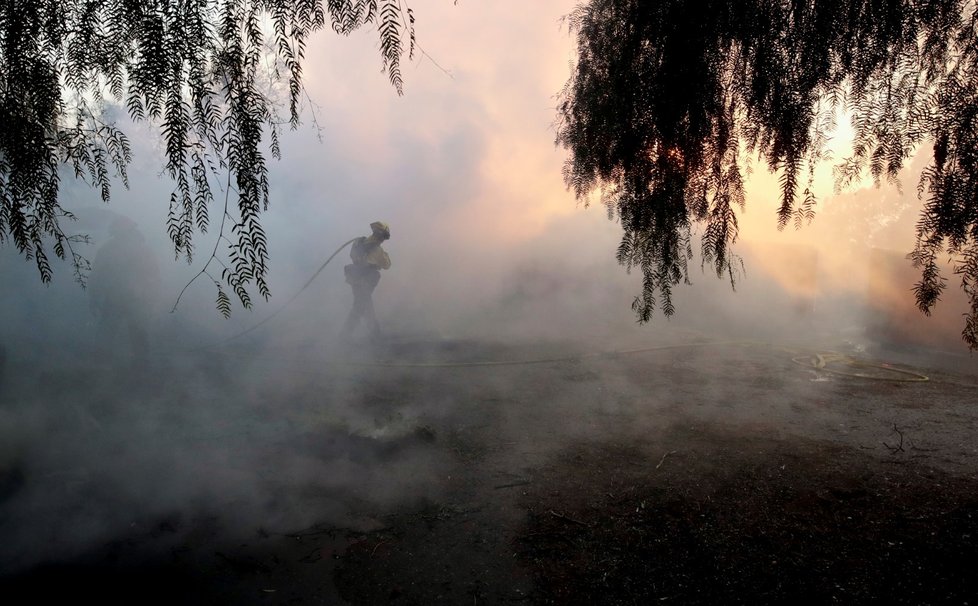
(818, 361)
(294, 297)
(821, 361)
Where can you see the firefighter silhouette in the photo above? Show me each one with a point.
(123, 287)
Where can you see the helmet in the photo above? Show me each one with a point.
(381, 230)
(122, 225)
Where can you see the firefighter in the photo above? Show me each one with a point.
(363, 275)
(124, 291)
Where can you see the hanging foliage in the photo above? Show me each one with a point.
(196, 68)
(667, 97)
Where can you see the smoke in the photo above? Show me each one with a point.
(134, 401)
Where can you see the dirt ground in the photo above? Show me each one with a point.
(681, 472)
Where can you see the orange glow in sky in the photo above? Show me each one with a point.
(469, 156)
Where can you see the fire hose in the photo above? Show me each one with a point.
(294, 297)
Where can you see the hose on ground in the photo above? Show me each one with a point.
(294, 297)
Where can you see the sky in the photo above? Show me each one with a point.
(463, 167)
(465, 170)
(466, 162)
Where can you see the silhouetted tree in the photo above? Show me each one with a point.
(668, 97)
(197, 68)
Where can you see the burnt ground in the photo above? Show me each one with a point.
(686, 473)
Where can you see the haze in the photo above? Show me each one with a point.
(489, 250)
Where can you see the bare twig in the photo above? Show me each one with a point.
(512, 484)
(663, 459)
(567, 519)
(203, 270)
(898, 447)
(313, 556)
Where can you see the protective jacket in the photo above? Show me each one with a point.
(363, 275)
(369, 258)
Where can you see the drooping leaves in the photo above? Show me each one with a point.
(668, 97)
(198, 69)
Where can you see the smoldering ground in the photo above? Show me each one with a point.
(286, 427)
(213, 440)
